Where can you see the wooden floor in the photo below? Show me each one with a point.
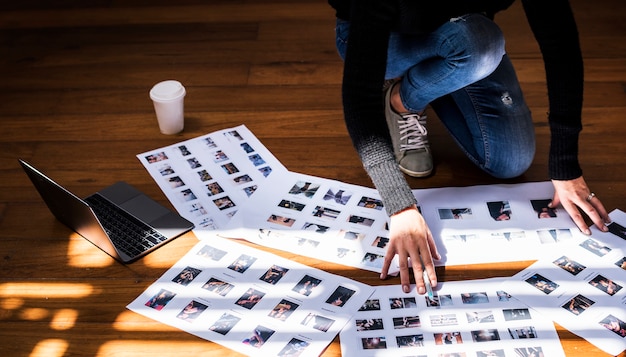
(74, 82)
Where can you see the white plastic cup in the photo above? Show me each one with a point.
(168, 98)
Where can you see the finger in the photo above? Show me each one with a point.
(577, 217)
(419, 276)
(387, 263)
(555, 200)
(597, 213)
(405, 279)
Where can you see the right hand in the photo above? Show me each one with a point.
(411, 240)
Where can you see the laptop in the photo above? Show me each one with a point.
(120, 220)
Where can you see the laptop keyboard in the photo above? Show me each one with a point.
(127, 233)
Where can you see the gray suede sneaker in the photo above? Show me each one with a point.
(409, 139)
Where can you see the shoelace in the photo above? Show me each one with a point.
(413, 133)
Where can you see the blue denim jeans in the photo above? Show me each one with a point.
(462, 70)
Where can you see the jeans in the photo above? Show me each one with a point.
(462, 71)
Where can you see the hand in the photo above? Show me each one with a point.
(410, 237)
(574, 194)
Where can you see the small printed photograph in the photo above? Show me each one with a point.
(402, 303)
(175, 182)
(214, 189)
(259, 336)
(219, 156)
(292, 205)
(242, 263)
(194, 163)
(224, 203)
(463, 238)
(246, 148)
(369, 324)
(218, 286)
(605, 285)
(165, 170)
(547, 236)
(380, 242)
(225, 323)
(156, 157)
(250, 298)
(233, 134)
(306, 189)
(529, 351)
(373, 260)
(160, 299)
(283, 309)
(280, 220)
(615, 325)
(230, 168)
(455, 213)
(294, 348)
(578, 304)
(210, 143)
(595, 247)
(304, 242)
(192, 311)
(184, 151)
(239, 180)
(406, 322)
(187, 195)
(250, 190)
(523, 332)
(509, 236)
(503, 295)
(274, 274)
(500, 210)
(542, 209)
(349, 235)
(256, 160)
(374, 343)
(368, 202)
(370, 305)
(448, 338)
(204, 175)
(444, 320)
(621, 263)
(354, 219)
(340, 296)
(306, 285)
(186, 276)
(197, 209)
(516, 314)
(325, 213)
(318, 322)
(542, 284)
(571, 266)
(492, 353)
(317, 228)
(475, 298)
(485, 335)
(343, 252)
(265, 171)
(617, 229)
(439, 300)
(480, 317)
(211, 253)
(338, 196)
(410, 341)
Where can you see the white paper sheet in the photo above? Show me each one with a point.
(208, 178)
(467, 318)
(582, 286)
(251, 301)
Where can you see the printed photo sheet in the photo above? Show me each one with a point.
(467, 318)
(347, 224)
(208, 178)
(581, 286)
(252, 302)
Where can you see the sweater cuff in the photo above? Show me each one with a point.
(392, 186)
(563, 161)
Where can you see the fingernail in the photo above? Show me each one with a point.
(382, 276)
(406, 288)
(421, 291)
(605, 229)
(587, 232)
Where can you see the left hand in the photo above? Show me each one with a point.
(574, 194)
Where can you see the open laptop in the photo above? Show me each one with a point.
(119, 219)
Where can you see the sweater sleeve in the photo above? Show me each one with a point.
(555, 30)
(364, 72)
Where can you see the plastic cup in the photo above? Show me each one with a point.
(168, 98)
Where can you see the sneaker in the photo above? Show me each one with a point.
(409, 139)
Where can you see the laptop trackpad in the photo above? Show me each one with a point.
(144, 208)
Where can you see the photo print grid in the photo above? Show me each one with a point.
(251, 301)
(318, 217)
(209, 177)
(581, 286)
(470, 318)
